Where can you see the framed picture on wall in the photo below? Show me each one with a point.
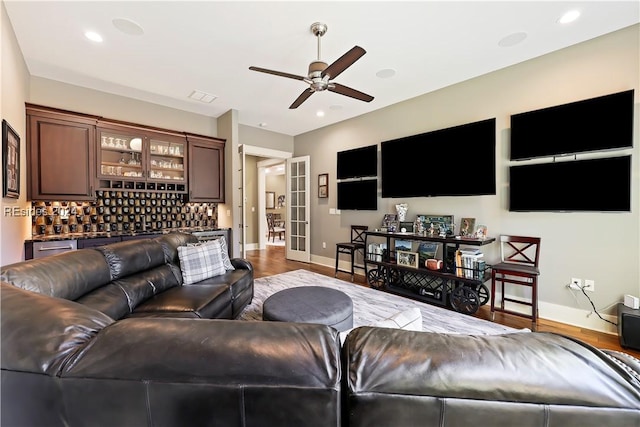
(11, 164)
(323, 185)
(270, 199)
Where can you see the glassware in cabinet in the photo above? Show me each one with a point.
(120, 155)
(166, 160)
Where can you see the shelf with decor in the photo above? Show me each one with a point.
(393, 266)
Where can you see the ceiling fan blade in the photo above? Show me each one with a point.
(277, 73)
(347, 91)
(303, 97)
(344, 62)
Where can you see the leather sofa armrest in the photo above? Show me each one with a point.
(241, 263)
(508, 368)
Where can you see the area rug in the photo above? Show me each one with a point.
(371, 305)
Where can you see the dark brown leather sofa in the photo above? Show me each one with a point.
(110, 337)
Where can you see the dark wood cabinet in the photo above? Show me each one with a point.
(61, 155)
(206, 169)
(95, 242)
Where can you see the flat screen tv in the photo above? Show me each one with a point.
(456, 161)
(358, 195)
(599, 185)
(358, 163)
(602, 123)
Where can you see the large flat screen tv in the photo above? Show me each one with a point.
(358, 195)
(602, 123)
(457, 161)
(600, 185)
(358, 163)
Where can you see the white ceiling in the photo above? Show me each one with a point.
(209, 46)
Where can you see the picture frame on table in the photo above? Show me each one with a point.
(481, 232)
(11, 163)
(467, 227)
(390, 223)
(440, 223)
(407, 259)
(323, 185)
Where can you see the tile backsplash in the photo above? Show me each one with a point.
(122, 211)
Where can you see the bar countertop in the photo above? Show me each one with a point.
(95, 235)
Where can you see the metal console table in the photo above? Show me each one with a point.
(449, 286)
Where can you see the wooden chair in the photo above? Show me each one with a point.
(350, 248)
(518, 266)
(274, 228)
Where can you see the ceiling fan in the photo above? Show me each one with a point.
(321, 75)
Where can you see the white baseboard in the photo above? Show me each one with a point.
(555, 312)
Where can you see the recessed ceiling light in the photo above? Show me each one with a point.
(93, 36)
(128, 26)
(386, 73)
(569, 17)
(512, 39)
(320, 113)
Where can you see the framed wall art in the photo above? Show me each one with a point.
(270, 199)
(11, 164)
(323, 185)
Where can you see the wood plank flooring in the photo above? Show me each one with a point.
(272, 261)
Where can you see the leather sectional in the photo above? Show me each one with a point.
(111, 336)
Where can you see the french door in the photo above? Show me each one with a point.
(298, 221)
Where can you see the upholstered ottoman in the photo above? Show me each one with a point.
(310, 304)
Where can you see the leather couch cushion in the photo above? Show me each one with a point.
(39, 333)
(120, 297)
(68, 275)
(203, 301)
(170, 243)
(132, 256)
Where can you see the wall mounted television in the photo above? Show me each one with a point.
(358, 195)
(602, 123)
(357, 163)
(456, 161)
(599, 185)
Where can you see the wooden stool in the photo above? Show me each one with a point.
(350, 248)
(518, 266)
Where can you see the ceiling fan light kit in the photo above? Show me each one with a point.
(320, 75)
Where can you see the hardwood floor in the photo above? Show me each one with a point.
(272, 261)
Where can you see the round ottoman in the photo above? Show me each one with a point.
(310, 304)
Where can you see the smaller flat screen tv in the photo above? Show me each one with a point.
(358, 195)
(602, 123)
(598, 185)
(358, 163)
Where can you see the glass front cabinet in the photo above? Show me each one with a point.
(133, 158)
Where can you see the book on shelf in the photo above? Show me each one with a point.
(471, 251)
(471, 266)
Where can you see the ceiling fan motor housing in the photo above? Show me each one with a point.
(315, 75)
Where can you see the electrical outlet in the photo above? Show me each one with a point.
(575, 284)
(324, 245)
(589, 285)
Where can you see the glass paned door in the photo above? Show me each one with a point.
(298, 218)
